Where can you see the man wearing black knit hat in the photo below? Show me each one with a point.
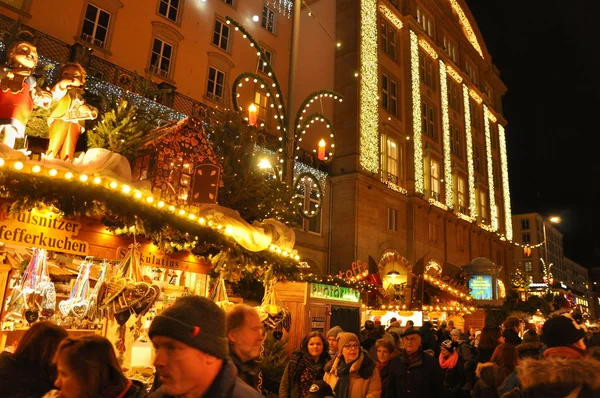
(192, 352)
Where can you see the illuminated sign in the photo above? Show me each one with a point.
(149, 255)
(481, 287)
(41, 228)
(340, 293)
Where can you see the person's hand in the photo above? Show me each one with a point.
(52, 394)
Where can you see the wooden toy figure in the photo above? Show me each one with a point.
(67, 119)
(19, 91)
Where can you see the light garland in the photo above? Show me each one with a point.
(475, 96)
(486, 227)
(464, 217)
(437, 203)
(416, 98)
(491, 116)
(321, 176)
(446, 131)
(369, 86)
(454, 74)
(427, 47)
(528, 245)
(505, 184)
(390, 16)
(490, 167)
(470, 166)
(26, 168)
(395, 187)
(468, 30)
(446, 287)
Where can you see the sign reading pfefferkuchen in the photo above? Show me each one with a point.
(41, 228)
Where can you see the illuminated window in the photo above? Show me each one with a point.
(471, 71)
(262, 103)
(268, 19)
(477, 158)
(525, 238)
(460, 194)
(428, 121)
(389, 94)
(160, 61)
(388, 38)
(483, 210)
(454, 90)
(216, 84)
(392, 218)
(426, 68)
(312, 200)
(221, 35)
(450, 48)
(425, 21)
(266, 55)
(392, 161)
(95, 26)
(434, 179)
(455, 141)
(169, 9)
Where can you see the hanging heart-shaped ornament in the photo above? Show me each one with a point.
(31, 316)
(80, 309)
(277, 335)
(122, 317)
(65, 307)
(113, 290)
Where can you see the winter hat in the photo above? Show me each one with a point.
(333, 332)
(320, 389)
(344, 338)
(410, 331)
(561, 331)
(511, 337)
(449, 345)
(531, 336)
(195, 321)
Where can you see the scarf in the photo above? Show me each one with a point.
(450, 362)
(564, 352)
(381, 365)
(305, 372)
(342, 387)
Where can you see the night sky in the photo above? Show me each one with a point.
(548, 56)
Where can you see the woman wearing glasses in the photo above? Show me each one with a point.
(352, 374)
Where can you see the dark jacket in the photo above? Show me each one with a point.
(454, 379)
(530, 350)
(428, 341)
(296, 368)
(16, 381)
(137, 390)
(247, 371)
(384, 373)
(421, 378)
(553, 377)
(225, 385)
(491, 376)
(594, 341)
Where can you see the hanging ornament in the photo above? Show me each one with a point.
(218, 294)
(284, 7)
(78, 302)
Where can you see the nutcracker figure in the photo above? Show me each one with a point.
(67, 119)
(19, 91)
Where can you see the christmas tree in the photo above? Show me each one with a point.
(256, 195)
(518, 278)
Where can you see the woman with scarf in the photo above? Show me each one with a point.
(352, 374)
(385, 351)
(453, 367)
(305, 367)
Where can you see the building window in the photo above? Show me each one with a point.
(266, 55)
(483, 211)
(221, 35)
(471, 71)
(525, 238)
(268, 19)
(425, 21)
(428, 121)
(460, 196)
(310, 195)
(392, 219)
(262, 103)
(426, 70)
(450, 49)
(455, 140)
(477, 157)
(496, 174)
(388, 38)
(488, 92)
(389, 94)
(392, 158)
(476, 117)
(95, 26)
(453, 95)
(434, 179)
(169, 9)
(216, 84)
(160, 61)
(494, 135)
(525, 224)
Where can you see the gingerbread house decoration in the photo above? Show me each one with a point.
(180, 164)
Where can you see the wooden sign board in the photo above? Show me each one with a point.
(149, 255)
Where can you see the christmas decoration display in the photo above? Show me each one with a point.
(78, 302)
(218, 294)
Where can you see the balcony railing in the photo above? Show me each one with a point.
(92, 40)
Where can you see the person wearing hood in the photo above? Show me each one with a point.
(331, 337)
(27, 371)
(453, 367)
(352, 374)
(531, 347)
(305, 367)
(492, 374)
(564, 370)
(414, 373)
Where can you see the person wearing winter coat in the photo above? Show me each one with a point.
(414, 373)
(492, 374)
(352, 374)
(428, 341)
(332, 340)
(565, 370)
(305, 367)
(27, 371)
(531, 347)
(385, 351)
(88, 367)
(453, 368)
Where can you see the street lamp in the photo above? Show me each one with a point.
(553, 220)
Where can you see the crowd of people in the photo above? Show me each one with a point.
(201, 351)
